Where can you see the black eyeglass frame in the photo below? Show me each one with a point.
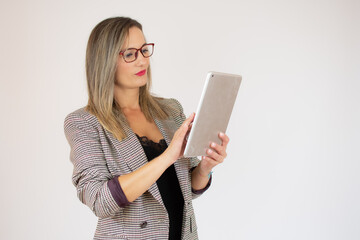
(137, 50)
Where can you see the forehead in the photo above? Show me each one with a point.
(135, 38)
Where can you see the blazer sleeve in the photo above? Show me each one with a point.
(90, 175)
(194, 161)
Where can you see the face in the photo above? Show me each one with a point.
(131, 75)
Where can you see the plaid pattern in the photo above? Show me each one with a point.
(98, 156)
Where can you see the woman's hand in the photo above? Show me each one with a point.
(215, 155)
(178, 142)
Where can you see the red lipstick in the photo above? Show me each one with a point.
(141, 73)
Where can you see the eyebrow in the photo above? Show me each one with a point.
(134, 47)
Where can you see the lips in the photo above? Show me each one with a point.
(141, 73)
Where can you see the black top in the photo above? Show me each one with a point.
(169, 187)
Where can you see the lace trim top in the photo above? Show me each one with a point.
(168, 185)
(147, 143)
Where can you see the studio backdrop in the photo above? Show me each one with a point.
(293, 164)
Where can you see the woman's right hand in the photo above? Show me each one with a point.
(178, 143)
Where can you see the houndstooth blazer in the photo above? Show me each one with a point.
(98, 157)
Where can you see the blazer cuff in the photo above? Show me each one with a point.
(201, 191)
(117, 192)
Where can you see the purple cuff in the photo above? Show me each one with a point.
(200, 191)
(117, 192)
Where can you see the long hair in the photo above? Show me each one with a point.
(102, 53)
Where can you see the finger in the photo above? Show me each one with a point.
(191, 117)
(209, 161)
(189, 120)
(184, 128)
(225, 139)
(219, 149)
(188, 132)
(214, 155)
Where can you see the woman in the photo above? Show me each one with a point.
(127, 145)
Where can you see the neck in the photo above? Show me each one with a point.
(127, 98)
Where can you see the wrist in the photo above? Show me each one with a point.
(168, 157)
(204, 173)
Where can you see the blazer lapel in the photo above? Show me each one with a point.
(131, 151)
(167, 129)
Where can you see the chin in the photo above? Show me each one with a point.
(143, 81)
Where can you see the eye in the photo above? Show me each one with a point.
(129, 54)
(147, 50)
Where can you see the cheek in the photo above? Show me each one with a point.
(122, 71)
(122, 68)
(147, 62)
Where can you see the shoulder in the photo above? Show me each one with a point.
(81, 119)
(170, 105)
(173, 108)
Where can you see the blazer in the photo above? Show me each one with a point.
(98, 157)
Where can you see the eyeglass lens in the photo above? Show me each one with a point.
(131, 54)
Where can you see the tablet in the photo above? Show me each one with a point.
(213, 112)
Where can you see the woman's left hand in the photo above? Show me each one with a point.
(215, 155)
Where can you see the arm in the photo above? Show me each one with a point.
(199, 180)
(216, 154)
(136, 183)
(91, 174)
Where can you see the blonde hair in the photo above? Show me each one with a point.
(102, 52)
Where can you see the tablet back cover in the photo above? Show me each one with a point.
(213, 112)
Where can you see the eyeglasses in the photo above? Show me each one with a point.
(131, 54)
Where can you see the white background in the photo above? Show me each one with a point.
(293, 163)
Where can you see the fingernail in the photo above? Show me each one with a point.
(209, 151)
(221, 134)
(213, 145)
